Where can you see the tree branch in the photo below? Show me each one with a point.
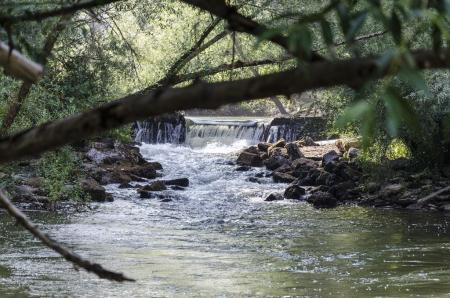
(242, 23)
(41, 15)
(139, 106)
(60, 249)
(17, 65)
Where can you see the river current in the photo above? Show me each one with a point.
(218, 238)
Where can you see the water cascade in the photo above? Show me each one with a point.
(199, 131)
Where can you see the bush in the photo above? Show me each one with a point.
(61, 173)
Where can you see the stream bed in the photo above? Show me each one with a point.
(218, 238)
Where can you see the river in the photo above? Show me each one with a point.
(219, 238)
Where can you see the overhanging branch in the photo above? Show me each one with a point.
(138, 106)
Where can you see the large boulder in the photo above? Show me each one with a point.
(263, 147)
(293, 151)
(330, 157)
(294, 192)
(96, 192)
(322, 199)
(154, 186)
(274, 197)
(277, 151)
(283, 177)
(249, 159)
(275, 162)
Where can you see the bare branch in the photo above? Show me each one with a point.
(60, 249)
(139, 106)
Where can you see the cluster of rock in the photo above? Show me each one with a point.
(336, 179)
(327, 181)
(104, 162)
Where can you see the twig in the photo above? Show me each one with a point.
(60, 249)
(431, 196)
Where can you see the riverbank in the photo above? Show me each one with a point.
(330, 175)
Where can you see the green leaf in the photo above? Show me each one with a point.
(414, 78)
(399, 111)
(395, 27)
(356, 25)
(353, 113)
(327, 32)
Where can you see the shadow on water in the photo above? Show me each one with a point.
(218, 238)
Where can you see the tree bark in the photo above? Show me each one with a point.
(140, 105)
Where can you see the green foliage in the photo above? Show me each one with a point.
(61, 173)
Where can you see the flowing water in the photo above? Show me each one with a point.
(219, 238)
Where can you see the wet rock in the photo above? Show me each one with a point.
(96, 192)
(183, 182)
(311, 178)
(293, 151)
(112, 177)
(166, 200)
(253, 180)
(145, 171)
(322, 200)
(330, 157)
(155, 186)
(249, 159)
(304, 163)
(325, 178)
(252, 149)
(176, 187)
(274, 197)
(294, 192)
(275, 162)
(263, 147)
(284, 168)
(353, 153)
(125, 185)
(243, 168)
(344, 191)
(283, 177)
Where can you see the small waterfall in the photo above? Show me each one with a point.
(169, 128)
(201, 131)
(226, 132)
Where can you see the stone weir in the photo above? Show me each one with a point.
(199, 131)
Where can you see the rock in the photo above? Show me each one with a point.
(278, 151)
(343, 191)
(249, 159)
(283, 177)
(252, 149)
(155, 165)
(125, 185)
(391, 191)
(281, 143)
(294, 192)
(183, 182)
(372, 187)
(155, 186)
(353, 153)
(34, 181)
(96, 192)
(322, 200)
(304, 163)
(263, 147)
(275, 162)
(293, 151)
(176, 187)
(112, 177)
(445, 208)
(253, 180)
(284, 168)
(311, 178)
(325, 178)
(166, 200)
(145, 171)
(330, 157)
(274, 197)
(345, 144)
(243, 168)
(399, 164)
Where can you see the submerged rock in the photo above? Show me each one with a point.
(184, 182)
(155, 186)
(274, 197)
(294, 192)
